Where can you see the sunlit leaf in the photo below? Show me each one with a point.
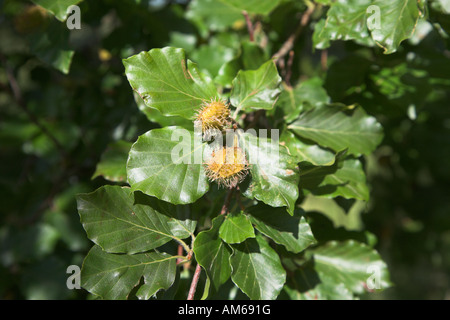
(351, 263)
(254, 6)
(274, 173)
(305, 284)
(346, 20)
(167, 82)
(164, 163)
(303, 151)
(345, 178)
(214, 15)
(398, 22)
(256, 89)
(339, 127)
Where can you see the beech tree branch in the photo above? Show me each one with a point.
(289, 43)
(194, 282)
(251, 30)
(17, 94)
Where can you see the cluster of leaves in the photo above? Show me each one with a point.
(132, 221)
(292, 230)
(320, 154)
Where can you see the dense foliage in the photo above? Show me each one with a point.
(350, 202)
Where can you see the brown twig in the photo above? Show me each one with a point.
(282, 65)
(17, 94)
(258, 30)
(324, 60)
(194, 282)
(180, 253)
(65, 172)
(250, 28)
(289, 43)
(198, 269)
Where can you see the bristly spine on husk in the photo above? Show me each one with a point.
(213, 115)
(227, 166)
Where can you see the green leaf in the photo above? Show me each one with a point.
(339, 127)
(166, 82)
(113, 276)
(257, 269)
(236, 228)
(293, 232)
(52, 46)
(345, 177)
(154, 115)
(274, 173)
(346, 20)
(263, 7)
(349, 219)
(304, 96)
(214, 15)
(398, 22)
(250, 57)
(113, 163)
(305, 284)
(303, 151)
(350, 263)
(211, 57)
(256, 89)
(213, 254)
(57, 7)
(121, 223)
(156, 167)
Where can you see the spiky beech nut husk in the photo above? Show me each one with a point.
(213, 115)
(227, 166)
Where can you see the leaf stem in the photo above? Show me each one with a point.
(236, 112)
(183, 244)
